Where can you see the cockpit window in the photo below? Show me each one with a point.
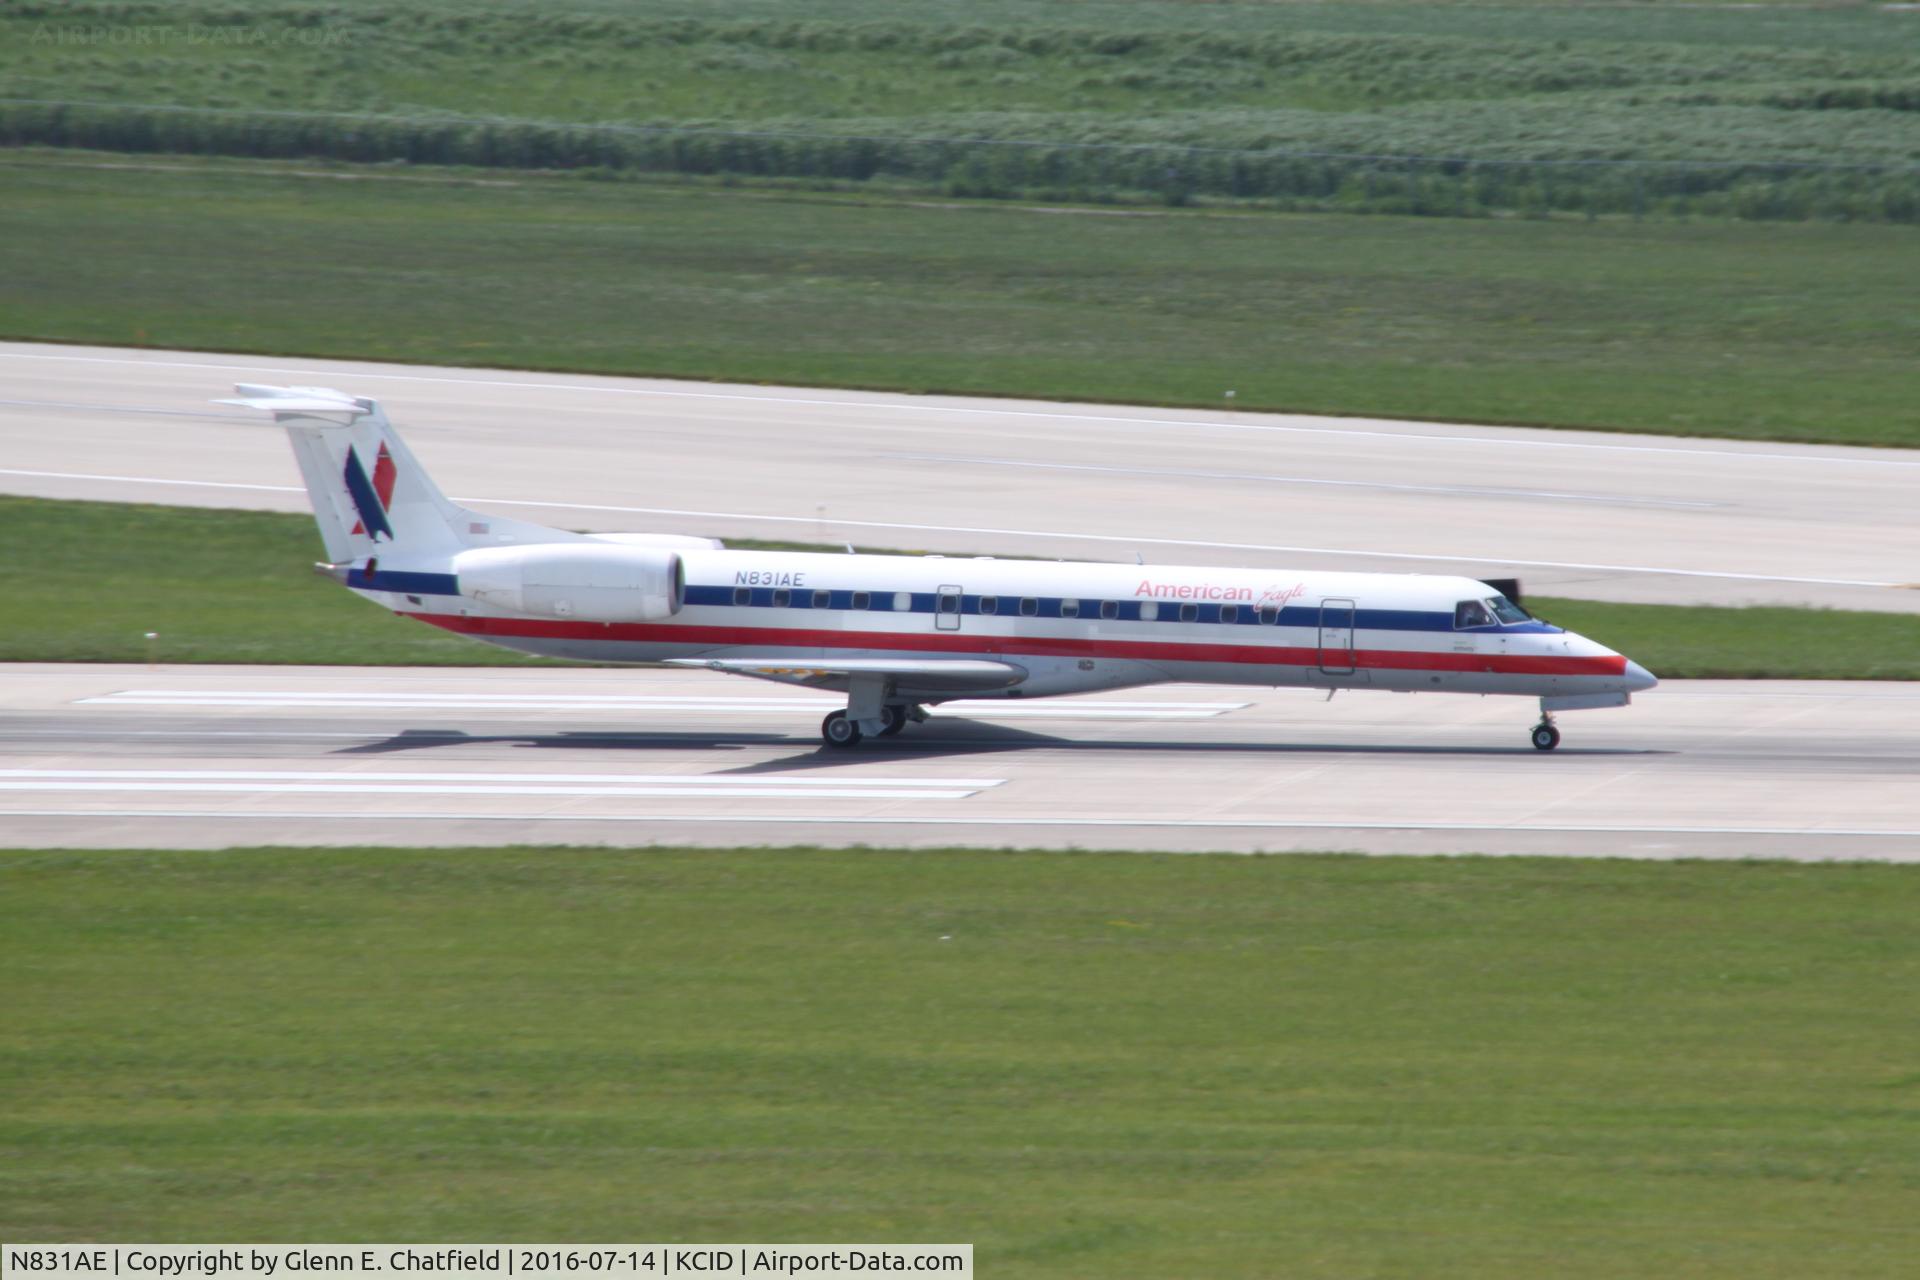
(1507, 611)
(1471, 613)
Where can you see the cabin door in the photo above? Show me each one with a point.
(946, 609)
(1336, 637)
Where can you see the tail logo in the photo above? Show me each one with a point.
(371, 498)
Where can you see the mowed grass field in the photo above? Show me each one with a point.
(236, 586)
(1087, 1065)
(1766, 331)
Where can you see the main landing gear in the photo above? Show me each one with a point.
(841, 730)
(1545, 736)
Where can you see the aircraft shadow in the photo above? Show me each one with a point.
(434, 739)
(952, 739)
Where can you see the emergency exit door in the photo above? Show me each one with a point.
(946, 609)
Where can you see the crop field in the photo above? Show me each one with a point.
(1175, 102)
(1790, 332)
(234, 587)
(1087, 1065)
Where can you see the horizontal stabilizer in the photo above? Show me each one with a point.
(302, 400)
(951, 675)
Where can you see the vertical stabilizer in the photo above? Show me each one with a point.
(369, 495)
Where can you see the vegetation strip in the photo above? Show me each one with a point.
(1085, 1064)
(234, 587)
(1378, 108)
(1763, 332)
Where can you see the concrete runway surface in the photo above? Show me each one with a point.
(205, 757)
(1617, 517)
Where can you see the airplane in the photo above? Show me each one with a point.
(900, 633)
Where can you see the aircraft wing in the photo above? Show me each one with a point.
(921, 675)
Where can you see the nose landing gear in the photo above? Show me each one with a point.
(1545, 736)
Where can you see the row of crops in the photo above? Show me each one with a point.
(997, 168)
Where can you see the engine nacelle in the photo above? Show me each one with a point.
(589, 581)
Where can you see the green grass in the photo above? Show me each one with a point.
(1793, 332)
(1088, 1065)
(216, 586)
(1507, 85)
(233, 586)
(1755, 643)
(1382, 77)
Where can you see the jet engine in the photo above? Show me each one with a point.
(588, 581)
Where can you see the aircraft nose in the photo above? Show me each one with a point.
(1638, 677)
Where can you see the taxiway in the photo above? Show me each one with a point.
(1615, 517)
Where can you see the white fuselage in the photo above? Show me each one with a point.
(1071, 627)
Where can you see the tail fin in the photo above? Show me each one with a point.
(369, 495)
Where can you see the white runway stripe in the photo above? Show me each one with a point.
(335, 782)
(1246, 477)
(335, 775)
(372, 788)
(1102, 709)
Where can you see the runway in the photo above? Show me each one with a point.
(1616, 517)
(207, 757)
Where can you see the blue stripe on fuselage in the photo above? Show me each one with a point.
(447, 584)
(1128, 610)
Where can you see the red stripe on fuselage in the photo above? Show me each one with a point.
(1038, 646)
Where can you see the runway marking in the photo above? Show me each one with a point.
(491, 789)
(1129, 540)
(648, 786)
(909, 405)
(191, 484)
(707, 779)
(1469, 491)
(961, 708)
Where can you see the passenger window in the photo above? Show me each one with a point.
(1109, 609)
(949, 604)
(903, 601)
(1149, 610)
(1188, 612)
(1269, 614)
(861, 600)
(1029, 607)
(1069, 608)
(1229, 613)
(743, 595)
(782, 598)
(821, 599)
(989, 604)
(1471, 613)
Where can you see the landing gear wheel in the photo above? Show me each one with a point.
(895, 717)
(838, 731)
(1545, 737)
